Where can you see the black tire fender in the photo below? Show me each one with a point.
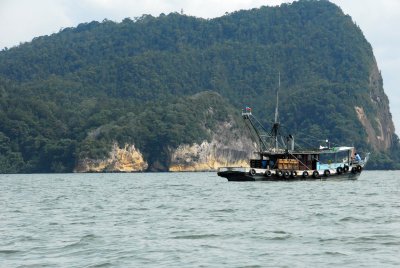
(339, 170)
(286, 174)
(359, 168)
(346, 169)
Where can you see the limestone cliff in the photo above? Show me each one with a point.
(380, 129)
(228, 147)
(126, 159)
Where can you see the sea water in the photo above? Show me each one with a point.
(198, 220)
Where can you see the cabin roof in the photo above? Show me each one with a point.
(331, 150)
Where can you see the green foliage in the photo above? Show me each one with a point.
(152, 82)
(157, 128)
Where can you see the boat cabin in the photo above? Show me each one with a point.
(286, 162)
(331, 158)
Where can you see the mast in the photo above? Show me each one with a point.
(265, 138)
(277, 98)
(275, 128)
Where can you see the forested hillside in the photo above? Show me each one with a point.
(160, 82)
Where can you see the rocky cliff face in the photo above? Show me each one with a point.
(228, 147)
(126, 159)
(380, 130)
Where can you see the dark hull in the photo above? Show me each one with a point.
(246, 176)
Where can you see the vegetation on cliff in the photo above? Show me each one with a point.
(71, 95)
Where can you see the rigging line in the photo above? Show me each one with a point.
(259, 123)
(296, 143)
(312, 137)
(302, 147)
(310, 145)
(258, 136)
(293, 91)
(318, 139)
(263, 137)
(251, 132)
(276, 141)
(300, 161)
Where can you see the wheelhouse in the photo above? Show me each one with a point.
(324, 159)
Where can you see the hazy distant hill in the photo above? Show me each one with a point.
(68, 98)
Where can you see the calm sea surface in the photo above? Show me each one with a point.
(198, 220)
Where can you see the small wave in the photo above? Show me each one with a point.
(365, 239)
(228, 210)
(24, 238)
(9, 251)
(279, 232)
(391, 243)
(105, 264)
(88, 237)
(83, 223)
(163, 206)
(334, 253)
(278, 238)
(273, 235)
(17, 211)
(371, 249)
(137, 208)
(83, 241)
(371, 194)
(327, 239)
(203, 236)
(37, 265)
(61, 197)
(384, 240)
(346, 219)
(377, 205)
(208, 246)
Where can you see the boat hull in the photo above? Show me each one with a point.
(246, 176)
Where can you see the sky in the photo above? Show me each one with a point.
(22, 20)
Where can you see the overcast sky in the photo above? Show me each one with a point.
(21, 20)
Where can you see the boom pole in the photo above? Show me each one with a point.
(256, 129)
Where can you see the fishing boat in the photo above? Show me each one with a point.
(278, 158)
